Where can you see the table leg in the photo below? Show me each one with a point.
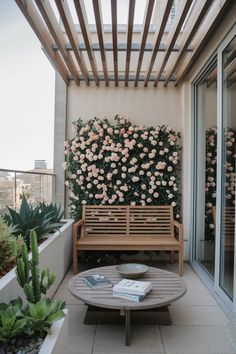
(127, 327)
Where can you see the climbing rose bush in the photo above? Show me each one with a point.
(122, 163)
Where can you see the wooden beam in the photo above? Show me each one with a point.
(49, 17)
(82, 16)
(114, 38)
(129, 38)
(175, 30)
(207, 28)
(160, 31)
(147, 16)
(199, 12)
(31, 14)
(70, 29)
(98, 19)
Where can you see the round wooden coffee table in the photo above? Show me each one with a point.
(167, 287)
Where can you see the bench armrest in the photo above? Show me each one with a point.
(179, 227)
(75, 229)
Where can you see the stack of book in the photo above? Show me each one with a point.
(132, 290)
(97, 281)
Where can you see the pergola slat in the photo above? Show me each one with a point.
(66, 18)
(98, 19)
(129, 38)
(199, 12)
(176, 27)
(158, 39)
(31, 14)
(148, 16)
(49, 17)
(82, 16)
(207, 28)
(114, 38)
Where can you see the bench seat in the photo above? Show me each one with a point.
(127, 228)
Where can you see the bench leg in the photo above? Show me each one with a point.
(127, 327)
(172, 257)
(181, 261)
(75, 260)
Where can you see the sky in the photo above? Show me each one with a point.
(27, 86)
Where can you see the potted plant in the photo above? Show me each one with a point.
(27, 327)
(44, 219)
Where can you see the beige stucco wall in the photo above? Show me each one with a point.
(149, 106)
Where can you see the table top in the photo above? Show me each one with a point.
(167, 287)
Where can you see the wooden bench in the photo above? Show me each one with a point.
(126, 228)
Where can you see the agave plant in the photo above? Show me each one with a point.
(31, 218)
(52, 209)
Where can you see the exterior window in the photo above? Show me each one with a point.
(206, 164)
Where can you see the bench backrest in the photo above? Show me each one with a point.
(126, 220)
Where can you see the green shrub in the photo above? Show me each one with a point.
(7, 258)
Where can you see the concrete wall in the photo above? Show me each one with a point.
(148, 106)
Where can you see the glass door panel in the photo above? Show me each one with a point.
(227, 229)
(206, 164)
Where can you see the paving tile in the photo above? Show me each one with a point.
(64, 295)
(144, 339)
(196, 340)
(80, 338)
(198, 315)
(76, 313)
(199, 297)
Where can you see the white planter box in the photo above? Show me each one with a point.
(55, 253)
(56, 342)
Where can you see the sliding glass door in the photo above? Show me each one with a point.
(205, 166)
(214, 173)
(228, 155)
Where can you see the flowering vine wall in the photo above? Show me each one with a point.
(122, 163)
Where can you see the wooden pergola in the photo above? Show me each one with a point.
(90, 52)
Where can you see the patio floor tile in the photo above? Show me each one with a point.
(201, 297)
(196, 340)
(144, 339)
(81, 338)
(198, 315)
(76, 313)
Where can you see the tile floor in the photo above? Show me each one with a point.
(199, 326)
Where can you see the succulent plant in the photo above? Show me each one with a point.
(12, 322)
(42, 314)
(30, 278)
(40, 219)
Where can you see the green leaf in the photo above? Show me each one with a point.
(55, 316)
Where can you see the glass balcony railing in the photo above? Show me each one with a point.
(37, 187)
